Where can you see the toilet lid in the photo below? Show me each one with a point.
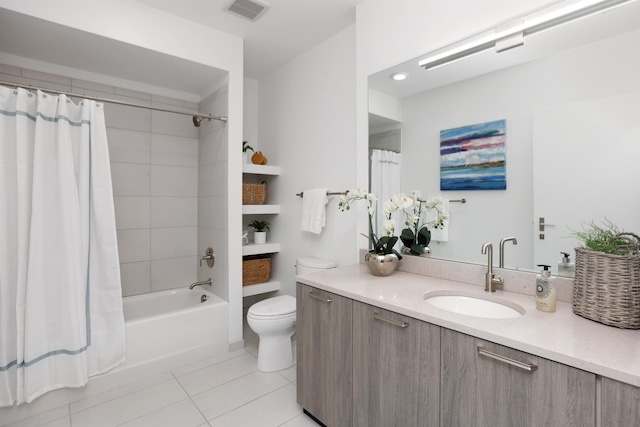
(276, 306)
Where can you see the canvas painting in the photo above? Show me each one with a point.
(474, 157)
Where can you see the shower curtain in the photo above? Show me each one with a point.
(61, 317)
(386, 181)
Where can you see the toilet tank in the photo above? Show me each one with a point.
(306, 265)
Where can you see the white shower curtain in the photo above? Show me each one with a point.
(61, 317)
(386, 181)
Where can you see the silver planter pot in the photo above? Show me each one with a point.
(381, 264)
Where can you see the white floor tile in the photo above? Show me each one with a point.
(271, 410)
(227, 397)
(301, 420)
(183, 414)
(200, 364)
(101, 398)
(48, 418)
(61, 422)
(130, 407)
(220, 373)
(289, 374)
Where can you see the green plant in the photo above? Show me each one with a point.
(378, 245)
(608, 239)
(260, 225)
(246, 146)
(417, 235)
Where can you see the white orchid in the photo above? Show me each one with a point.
(389, 226)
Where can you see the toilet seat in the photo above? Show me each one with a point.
(280, 307)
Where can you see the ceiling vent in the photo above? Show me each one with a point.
(248, 9)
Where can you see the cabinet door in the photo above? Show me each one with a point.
(396, 369)
(511, 388)
(620, 404)
(324, 355)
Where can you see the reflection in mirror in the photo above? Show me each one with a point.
(571, 101)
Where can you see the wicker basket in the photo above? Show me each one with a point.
(256, 269)
(607, 288)
(254, 194)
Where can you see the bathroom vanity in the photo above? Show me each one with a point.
(372, 351)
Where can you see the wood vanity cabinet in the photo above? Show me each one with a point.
(324, 355)
(620, 404)
(500, 386)
(396, 369)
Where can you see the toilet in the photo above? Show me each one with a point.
(274, 321)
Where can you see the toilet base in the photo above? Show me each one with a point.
(275, 353)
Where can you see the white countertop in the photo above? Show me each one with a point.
(561, 336)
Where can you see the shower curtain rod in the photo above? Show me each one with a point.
(196, 116)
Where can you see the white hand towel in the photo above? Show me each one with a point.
(441, 234)
(313, 210)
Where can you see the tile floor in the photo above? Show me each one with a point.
(222, 391)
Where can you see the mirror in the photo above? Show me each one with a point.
(571, 101)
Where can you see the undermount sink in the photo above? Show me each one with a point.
(474, 304)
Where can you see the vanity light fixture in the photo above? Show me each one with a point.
(512, 33)
(399, 76)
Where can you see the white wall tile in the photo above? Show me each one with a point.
(174, 150)
(136, 278)
(172, 273)
(46, 77)
(133, 94)
(134, 245)
(122, 117)
(211, 146)
(173, 124)
(11, 70)
(128, 146)
(212, 180)
(174, 212)
(174, 181)
(130, 179)
(84, 84)
(212, 212)
(173, 242)
(132, 212)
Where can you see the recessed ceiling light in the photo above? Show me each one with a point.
(399, 76)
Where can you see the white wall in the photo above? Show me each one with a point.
(307, 127)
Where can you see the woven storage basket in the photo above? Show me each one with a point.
(607, 288)
(254, 194)
(256, 269)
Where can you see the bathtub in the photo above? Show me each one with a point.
(166, 324)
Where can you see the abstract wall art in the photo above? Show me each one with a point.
(474, 157)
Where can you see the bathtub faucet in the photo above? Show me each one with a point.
(204, 282)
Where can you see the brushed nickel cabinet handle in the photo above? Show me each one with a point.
(391, 321)
(318, 297)
(526, 366)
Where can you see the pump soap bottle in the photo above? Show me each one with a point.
(545, 290)
(565, 267)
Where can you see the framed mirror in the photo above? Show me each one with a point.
(570, 100)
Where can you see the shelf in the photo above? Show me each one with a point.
(264, 248)
(260, 169)
(260, 209)
(260, 288)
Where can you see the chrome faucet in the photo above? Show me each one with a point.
(204, 282)
(491, 279)
(502, 242)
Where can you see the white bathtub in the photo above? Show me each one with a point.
(164, 324)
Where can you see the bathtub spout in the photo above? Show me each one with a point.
(204, 282)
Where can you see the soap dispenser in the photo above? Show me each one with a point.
(545, 290)
(565, 267)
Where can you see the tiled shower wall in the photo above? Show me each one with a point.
(213, 222)
(154, 165)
